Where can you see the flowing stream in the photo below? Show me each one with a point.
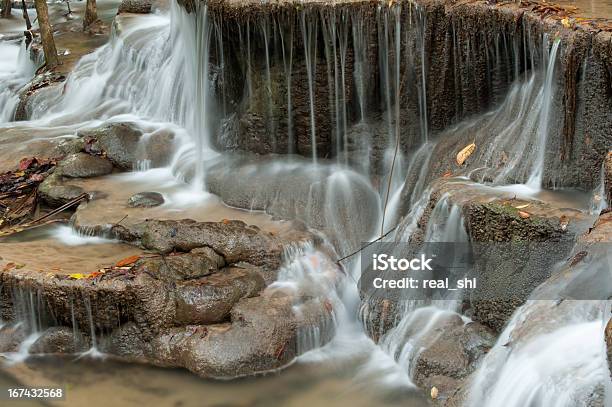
(156, 71)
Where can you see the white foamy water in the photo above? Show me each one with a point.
(16, 69)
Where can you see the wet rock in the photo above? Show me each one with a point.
(209, 300)
(60, 339)
(158, 148)
(234, 240)
(83, 165)
(118, 140)
(198, 263)
(11, 336)
(456, 351)
(135, 6)
(146, 200)
(55, 193)
(263, 336)
(127, 341)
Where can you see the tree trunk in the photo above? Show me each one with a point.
(91, 13)
(6, 8)
(46, 34)
(26, 16)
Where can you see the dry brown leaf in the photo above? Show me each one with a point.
(9, 266)
(127, 261)
(465, 153)
(524, 215)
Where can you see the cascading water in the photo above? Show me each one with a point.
(545, 99)
(562, 364)
(16, 69)
(159, 72)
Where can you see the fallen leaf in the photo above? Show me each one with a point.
(225, 221)
(127, 261)
(26, 163)
(524, 215)
(447, 174)
(434, 393)
(76, 276)
(95, 274)
(19, 266)
(9, 266)
(522, 206)
(465, 153)
(566, 22)
(19, 174)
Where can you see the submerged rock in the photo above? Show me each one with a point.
(146, 200)
(81, 165)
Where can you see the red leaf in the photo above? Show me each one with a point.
(26, 163)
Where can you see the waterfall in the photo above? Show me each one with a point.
(16, 70)
(562, 363)
(550, 58)
(309, 38)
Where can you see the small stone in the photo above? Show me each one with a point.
(146, 200)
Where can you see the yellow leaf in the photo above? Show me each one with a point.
(465, 153)
(566, 22)
(434, 393)
(19, 174)
(76, 276)
(522, 206)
